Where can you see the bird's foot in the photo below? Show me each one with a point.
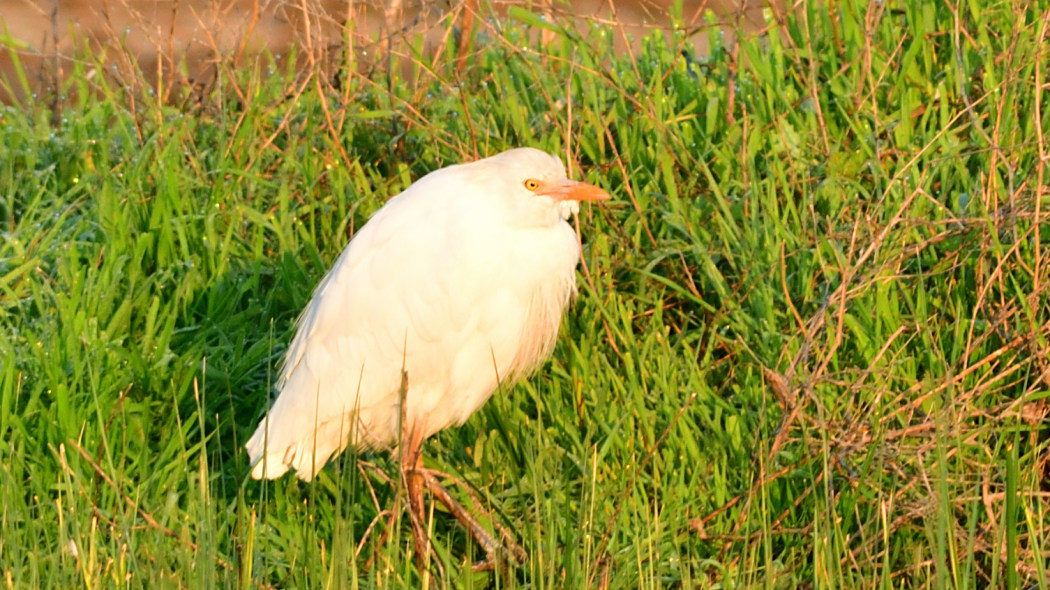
(497, 553)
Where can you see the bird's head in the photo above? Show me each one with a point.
(535, 185)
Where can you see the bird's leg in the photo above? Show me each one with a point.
(493, 548)
(412, 478)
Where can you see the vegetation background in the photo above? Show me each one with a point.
(810, 348)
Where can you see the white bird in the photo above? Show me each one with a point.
(457, 285)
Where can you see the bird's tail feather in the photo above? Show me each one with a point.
(306, 456)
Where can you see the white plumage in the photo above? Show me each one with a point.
(461, 280)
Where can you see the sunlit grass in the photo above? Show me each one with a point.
(810, 347)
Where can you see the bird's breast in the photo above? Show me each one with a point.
(541, 279)
(512, 328)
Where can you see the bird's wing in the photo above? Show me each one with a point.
(399, 282)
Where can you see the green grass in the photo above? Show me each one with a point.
(810, 347)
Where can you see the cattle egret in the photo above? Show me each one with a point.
(453, 288)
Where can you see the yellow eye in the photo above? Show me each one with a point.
(532, 184)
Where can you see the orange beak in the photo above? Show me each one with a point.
(571, 190)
